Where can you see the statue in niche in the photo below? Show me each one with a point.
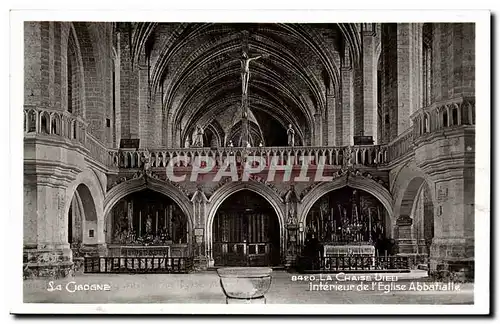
(198, 142)
(291, 214)
(230, 143)
(291, 135)
(291, 200)
(149, 229)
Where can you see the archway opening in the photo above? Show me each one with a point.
(82, 219)
(349, 217)
(418, 204)
(246, 232)
(147, 223)
(423, 214)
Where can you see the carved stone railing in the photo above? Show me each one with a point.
(54, 122)
(444, 115)
(401, 145)
(367, 155)
(74, 128)
(97, 150)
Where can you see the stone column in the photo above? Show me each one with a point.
(406, 242)
(401, 48)
(46, 249)
(331, 122)
(32, 63)
(409, 43)
(143, 106)
(199, 201)
(449, 160)
(318, 130)
(370, 116)
(345, 128)
(453, 243)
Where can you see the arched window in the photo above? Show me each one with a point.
(31, 121)
(70, 85)
(54, 127)
(72, 78)
(74, 130)
(44, 123)
(454, 117)
(427, 63)
(445, 118)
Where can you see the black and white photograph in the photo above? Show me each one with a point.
(201, 163)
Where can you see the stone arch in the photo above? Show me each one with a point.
(222, 193)
(370, 186)
(410, 194)
(44, 126)
(90, 197)
(55, 124)
(408, 185)
(406, 188)
(165, 188)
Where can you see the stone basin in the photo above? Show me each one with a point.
(245, 282)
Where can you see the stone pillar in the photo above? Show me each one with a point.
(32, 63)
(346, 126)
(318, 130)
(401, 48)
(117, 91)
(46, 249)
(157, 128)
(453, 243)
(452, 246)
(370, 116)
(331, 122)
(292, 228)
(199, 201)
(292, 242)
(128, 85)
(453, 58)
(143, 107)
(406, 242)
(358, 100)
(409, 43)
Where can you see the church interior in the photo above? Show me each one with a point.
(386, 111)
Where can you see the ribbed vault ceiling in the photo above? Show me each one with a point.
(196, 68)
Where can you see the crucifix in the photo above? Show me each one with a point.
(245, 63)
(245, 78)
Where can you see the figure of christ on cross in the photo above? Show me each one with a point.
(245, 71)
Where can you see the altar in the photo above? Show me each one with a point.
(140, 251)
(365, 250)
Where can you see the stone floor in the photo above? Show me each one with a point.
(204, 288)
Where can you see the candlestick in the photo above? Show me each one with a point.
(170, 220)
(369, 225)
(156, 224)
(140, 225)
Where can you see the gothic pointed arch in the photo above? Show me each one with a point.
(134, 185)
(372, 187)
(228, 189)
